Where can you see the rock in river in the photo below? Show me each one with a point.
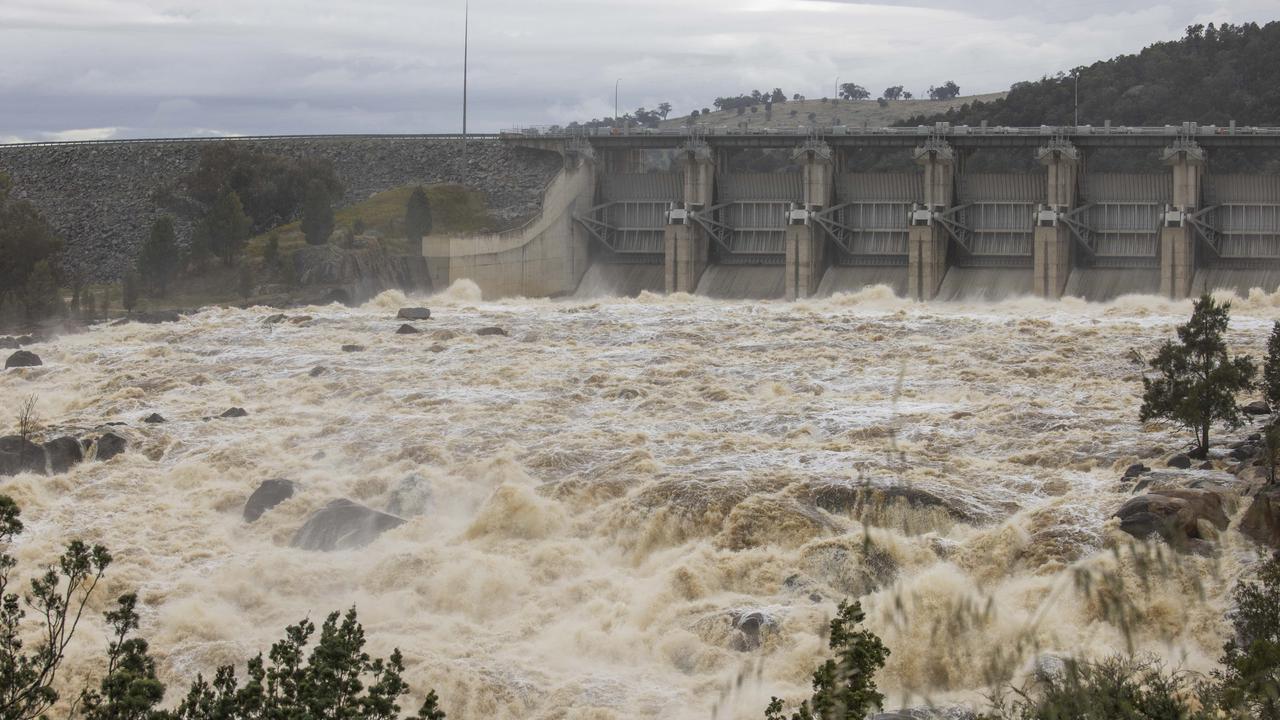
(63, 453)
(407, 329)
(268, 495)
(1177, 515)
(109, 445)
(22, 358)
(1261, 522)
(19, 455)
(413, 313)
(343, 525)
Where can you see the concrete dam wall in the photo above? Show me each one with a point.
(102, 197)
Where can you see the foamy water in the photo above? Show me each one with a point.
(599, 498)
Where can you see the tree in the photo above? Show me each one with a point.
(317, 215)
(129, 291)
(129, 689)
(1196, 382)
(906, 95)
(853, 91)
(777, 96)
(337, 681)
(843, 687)
(26, 240)
(664, 109)
(199, 251)
(946, 91)
(1250, 678)
(813, 117)
(1115, 688)
(417, 215)
(159, 258)
(893, 92)
(244, 281)
(1271, 370)
(271, 188)
(227, 227)
(41, 297)
(57, 598)
(271, 253)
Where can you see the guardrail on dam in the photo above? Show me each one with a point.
(675, 211)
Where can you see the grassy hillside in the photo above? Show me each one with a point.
(855, 113)
(1212, 75)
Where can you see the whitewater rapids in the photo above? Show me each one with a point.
(614, 507)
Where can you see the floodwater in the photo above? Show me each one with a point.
(637, 508)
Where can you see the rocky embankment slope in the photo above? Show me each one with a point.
(103, 197)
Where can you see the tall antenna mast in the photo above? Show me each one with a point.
(466, 38)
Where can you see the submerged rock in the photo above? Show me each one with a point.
(19, 455)
(343, 525)
(1257, 407)
(268, 495)
(1181, 461)
(492, 330)
(1261, 522)
(407, 329)
(413, 313)
(63, 453)
(9, 343)
(318, 370)
(1177, 515)
(109, 445)
(23, 358)
(353, 348)
(154, 418)
(235, 412)
(155, 317)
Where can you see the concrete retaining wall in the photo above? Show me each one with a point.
(546, 257)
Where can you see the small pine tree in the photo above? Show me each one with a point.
(844, 687)
(417, 216)
(1250, 677)
(271, 253)
(129, 291)
(1271, 370)
(244, 281)
(199, 252)
(228, 227)
(40, 296)
(317, 215)
(1196, 382)
(158, 261)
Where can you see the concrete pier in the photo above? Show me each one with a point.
(806, 258)
(927, 238)
(1177, 238)
(686, 242)
(1051, 253)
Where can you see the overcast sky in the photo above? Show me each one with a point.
(79, 69)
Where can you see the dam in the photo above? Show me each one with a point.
(934, 212)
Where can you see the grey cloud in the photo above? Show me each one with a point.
(247, 67)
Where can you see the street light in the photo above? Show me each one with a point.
(466, 40)
(1077, 103)
(615, 101)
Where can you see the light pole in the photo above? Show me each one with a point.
(1077, 102)
(466, 41)
(615, 101)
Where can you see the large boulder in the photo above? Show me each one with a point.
(9, 343)
(343, 525)
(268, 495)
(22, 358)
(1257, 407)
(413, 313)
(1181, 461)
(1177, 515)
(109, 445)
(19, 455)
(155, 317)
(63, 453)
(1261, 522)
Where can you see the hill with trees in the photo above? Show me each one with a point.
(1212, 75)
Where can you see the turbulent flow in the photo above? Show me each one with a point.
(636, 507)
